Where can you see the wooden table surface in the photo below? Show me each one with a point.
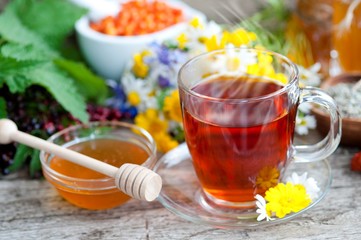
(32, 209)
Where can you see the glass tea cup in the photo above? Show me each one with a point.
(112, 142)
(239, 111)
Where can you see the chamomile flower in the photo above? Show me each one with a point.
(305, 108)
(309, 183)
(261, 209)
(310, 76)
(304, 123)
(138, 92)
(197, 33)
(239, 60)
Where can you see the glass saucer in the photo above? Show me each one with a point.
(182, 194)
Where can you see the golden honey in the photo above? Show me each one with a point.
(347, 34)
(90, 189)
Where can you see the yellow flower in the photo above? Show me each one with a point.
(182, 40)
(140, 69)
(280, 77)
(265, 68)
(172, 106)
(213, 43)
(264, 59)
(241, 37)
(267, 177)
(196, 23)
(286, 198)
(164, 142)
(133, 98)
(150, 121)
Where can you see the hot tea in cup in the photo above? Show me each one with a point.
(239, 109)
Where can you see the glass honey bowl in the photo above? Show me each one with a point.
(112, 142)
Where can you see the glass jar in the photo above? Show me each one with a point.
(347, 34)
(315, 20)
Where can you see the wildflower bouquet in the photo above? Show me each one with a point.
(148, 90)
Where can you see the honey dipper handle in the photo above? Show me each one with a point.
(9, 132)
(138, 182)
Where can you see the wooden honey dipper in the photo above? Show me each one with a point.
(137, 181)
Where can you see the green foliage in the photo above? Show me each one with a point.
(32, 34)
(22, 153)
(269, 24)
(10, 66)
(23, 52)
(62, 88)
(13, 30)
(35, 164)
(2, 108)
(60, 17)
(89, 85)
(162, 95)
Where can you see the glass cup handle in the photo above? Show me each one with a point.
(324, 148)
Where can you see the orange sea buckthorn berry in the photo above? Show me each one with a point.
(139, 17)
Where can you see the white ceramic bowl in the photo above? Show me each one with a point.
(107, 55)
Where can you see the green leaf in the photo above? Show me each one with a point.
(89, 85)
(11, 66)
(13, 30)
(22, 152)
(35, 164)
(23, 52)
(17, 83)
(3, 111)
(11, 71)
(179, 134)
(59, 24)
(62, 88)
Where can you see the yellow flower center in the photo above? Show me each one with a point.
(196, 23)
(182, 40)
(133, 98)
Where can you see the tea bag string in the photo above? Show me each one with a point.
(345, 24)
(137, 181)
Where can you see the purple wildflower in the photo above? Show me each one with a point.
(163, 81)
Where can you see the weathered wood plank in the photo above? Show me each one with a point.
(32, 209)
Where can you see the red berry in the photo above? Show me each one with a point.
(356, 162)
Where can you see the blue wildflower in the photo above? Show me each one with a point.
(163, 81)
(132, 112)
(118, 98)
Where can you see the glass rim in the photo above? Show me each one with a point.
(59, 177)
(293, 78)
